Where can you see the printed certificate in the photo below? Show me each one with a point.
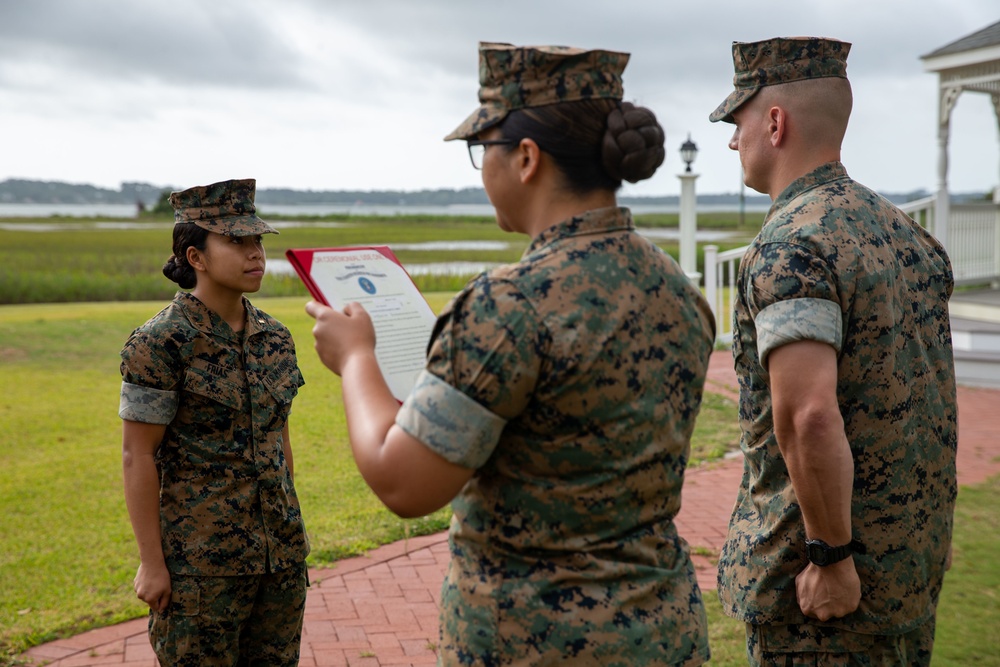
(373, 277)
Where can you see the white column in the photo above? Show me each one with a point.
(942, 208)
(995, 282)
(995, 98)
(711, 282)
(941, 204)
(689, 226)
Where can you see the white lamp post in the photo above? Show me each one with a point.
(689, 212)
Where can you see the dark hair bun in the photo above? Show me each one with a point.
(632, 149)
(179, 271)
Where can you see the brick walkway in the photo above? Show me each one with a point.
(382, 609)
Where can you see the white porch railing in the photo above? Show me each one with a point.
(973, 246)
(973, 237)
(720, 288)
(922, 212)
(974, 243)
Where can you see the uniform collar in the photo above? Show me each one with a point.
(207, 321)
(831, 171)
(596, 221)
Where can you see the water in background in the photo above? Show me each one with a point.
(282, 267)
(75, 210)
(90, 218)
(129, 210)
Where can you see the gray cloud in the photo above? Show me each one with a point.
(183, 42)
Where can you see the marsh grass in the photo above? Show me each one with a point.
(729, 220)
(125, 265)
(99, 264)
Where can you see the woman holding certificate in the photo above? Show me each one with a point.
(560, 393)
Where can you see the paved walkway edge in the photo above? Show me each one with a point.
(128, 644)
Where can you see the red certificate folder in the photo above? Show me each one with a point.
(375, 278)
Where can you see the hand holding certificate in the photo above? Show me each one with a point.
(373, 277)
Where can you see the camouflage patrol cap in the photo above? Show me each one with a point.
(518, 77)
(780, 60)
(225, 208)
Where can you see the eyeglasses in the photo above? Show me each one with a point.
(477, 149)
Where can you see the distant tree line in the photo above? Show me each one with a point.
(442, 197)
(22, 191)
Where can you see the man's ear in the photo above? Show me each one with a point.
(777, 120)
(529, 157)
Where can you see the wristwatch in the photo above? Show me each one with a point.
(822, 554)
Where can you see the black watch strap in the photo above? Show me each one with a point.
(822, 554)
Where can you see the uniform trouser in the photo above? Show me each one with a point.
(251, 620)
(809, 645)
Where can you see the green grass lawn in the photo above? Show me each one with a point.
(68, 556)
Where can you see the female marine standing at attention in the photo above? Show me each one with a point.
(207, 387)
(560, 392)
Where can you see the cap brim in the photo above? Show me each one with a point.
(243, 225)
(736, 99)
(481, 119)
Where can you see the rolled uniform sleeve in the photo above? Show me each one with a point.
(449, 422)
(149, 391)
(482, 368)
(792, 295)
(797, 319)
(143, 404)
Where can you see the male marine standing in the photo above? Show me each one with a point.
(839, 539)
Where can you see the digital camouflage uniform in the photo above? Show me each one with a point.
(837, 263)
(232, 531)
(570, 382)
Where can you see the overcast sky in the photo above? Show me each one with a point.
(358, 94)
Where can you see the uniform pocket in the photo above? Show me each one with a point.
(211, 409)
(185, 596)
(283, 387)
(210, 386)
(174, 633)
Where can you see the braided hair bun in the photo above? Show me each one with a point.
(180, 271)
(632, 148)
